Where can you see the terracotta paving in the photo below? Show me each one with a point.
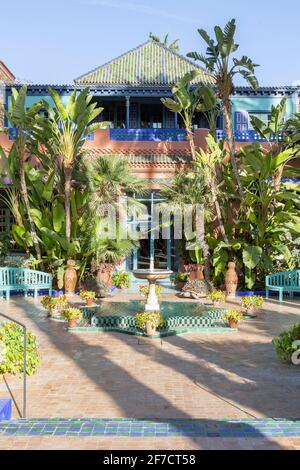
(198, 375)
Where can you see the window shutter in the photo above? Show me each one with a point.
(241, 121)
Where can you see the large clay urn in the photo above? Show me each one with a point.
(196, 272)
(70, 277)
(104, 273)
(231, 280)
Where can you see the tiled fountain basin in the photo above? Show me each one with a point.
(180, 317)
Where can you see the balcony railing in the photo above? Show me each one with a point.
(148, 135)
(246, 136)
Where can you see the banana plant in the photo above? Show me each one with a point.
(223, 68)
(63, 135)
(174, 45)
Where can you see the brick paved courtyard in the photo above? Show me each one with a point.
(213, 376)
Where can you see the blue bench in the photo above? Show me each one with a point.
(287, 281)
(5, 410)
(21, 279)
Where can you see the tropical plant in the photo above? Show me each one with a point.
(223, 70)
(54, 304)
(285, 343)
(174, 45)
(188, 100)
(142, 318)
(181, 277)
(63, 135)
(252, 301)
(232, 316)
(121, 279)
(72, 314)
(87, 294)
(24, 122)
(217, 296)
(12, 350)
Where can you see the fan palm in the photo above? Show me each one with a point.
(218, 62)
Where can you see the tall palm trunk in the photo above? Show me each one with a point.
(190, 138)
(24, 195)
(68, 173)
(230, 138)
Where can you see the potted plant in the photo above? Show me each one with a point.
(54, 305)
(148, 322)
(180, 279)
(285, 345)
(72, 315)
(144, 290)
(217, 296)
(88, 296)
(196, 269)
(252, 303)
(109, 253)
(121, 279)
(232, 317)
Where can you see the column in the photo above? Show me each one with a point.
(176, 120)
(127, 112)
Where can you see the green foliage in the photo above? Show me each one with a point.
(254, 301)
(72, 314)
(56, 303)
(232, 316)
(142, 318)
(87, 294)
(284, 343)
(12, 350)
(181, 277)
(174, 45)
(121, 279)
(217, 296)
(144, 290)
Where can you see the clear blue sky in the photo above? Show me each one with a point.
(55, 41)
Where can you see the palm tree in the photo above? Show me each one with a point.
(189, 188)
(63, 135)
(24, 122)
(218, 62)
(174, 46)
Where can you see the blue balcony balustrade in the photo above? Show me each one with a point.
(148, 135)
(246, 136)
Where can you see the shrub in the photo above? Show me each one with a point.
(121, 279)
(217, 296)
(233, 316)
(142, 318)
(12, 348)
(54, 303)
(284, 343)
(72, 314)
(144, 290)
(253, 301)
(181, 277)
(87, 294)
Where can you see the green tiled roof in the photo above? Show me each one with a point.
(151, 63)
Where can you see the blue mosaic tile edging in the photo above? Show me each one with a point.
(126, 427)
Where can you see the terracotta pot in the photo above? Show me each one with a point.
(196, 272)
(150, 329)
(104, 273)
(216, 303)
(70, 277)
(233, 324)
(72, 323)
(89, 302)
(180, 285)
(231, 279)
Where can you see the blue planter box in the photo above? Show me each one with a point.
(5, 410)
